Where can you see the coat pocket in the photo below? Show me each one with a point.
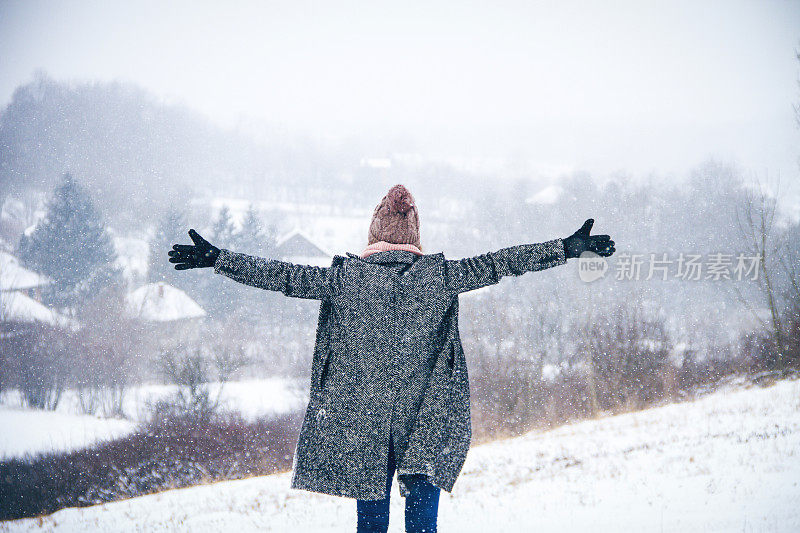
(337, 429)
(451, 357)
(323, 371)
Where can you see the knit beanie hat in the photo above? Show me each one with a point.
(395, 219)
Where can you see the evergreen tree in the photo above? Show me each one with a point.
(223, 229)
(216, 294)
(71, 246)
(254, 238)
(171, 229)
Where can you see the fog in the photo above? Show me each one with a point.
(655, 378)
(645, 87)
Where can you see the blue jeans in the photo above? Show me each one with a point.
(422, 505)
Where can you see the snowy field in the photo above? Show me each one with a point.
(32, 431)
(727, 462)
(27, 431)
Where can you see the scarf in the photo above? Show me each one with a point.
(383, 246)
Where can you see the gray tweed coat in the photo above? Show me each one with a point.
(388, 361)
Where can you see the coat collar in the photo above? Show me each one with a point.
(388, 256)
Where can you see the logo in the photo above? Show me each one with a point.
(591, 266)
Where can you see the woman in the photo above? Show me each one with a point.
(389, 387)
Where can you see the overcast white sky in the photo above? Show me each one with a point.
(601, 86)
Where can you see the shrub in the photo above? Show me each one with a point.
(169, 452)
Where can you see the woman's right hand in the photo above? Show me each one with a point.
(201, 254)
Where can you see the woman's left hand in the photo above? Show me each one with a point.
(581, 241)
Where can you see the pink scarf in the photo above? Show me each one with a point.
(383, 246)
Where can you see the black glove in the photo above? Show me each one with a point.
(581, 241)
(202, 254)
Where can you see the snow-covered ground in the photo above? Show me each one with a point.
(31, 431)
(729, 461)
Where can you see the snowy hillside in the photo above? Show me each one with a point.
(727, 462)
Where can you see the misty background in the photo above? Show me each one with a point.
(509, 124)
(122, 125)
(526, 89)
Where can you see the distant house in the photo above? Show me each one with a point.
(161, 302)
(15, 277)
(376, 162)
(549, 195)
(297, 247)
(20, 296)
(16, 307)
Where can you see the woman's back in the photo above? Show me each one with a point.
(388, 365)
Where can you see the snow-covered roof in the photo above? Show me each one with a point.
(376, 162)
(18, 307)
(339, 233)
(14, 276)
(548, 195)
(161, 302)
(297, 232)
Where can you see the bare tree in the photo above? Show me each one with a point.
(196, 372)
(105, 353)
(44, 364)
(629, 353)
(756, 219)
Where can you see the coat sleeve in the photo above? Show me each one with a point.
(472, 273)
(298, 281)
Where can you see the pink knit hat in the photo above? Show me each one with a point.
(395, 219)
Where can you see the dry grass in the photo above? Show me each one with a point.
(169, 453)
